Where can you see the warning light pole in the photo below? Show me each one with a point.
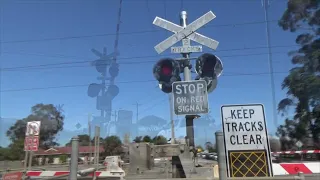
(167, 71)
(104, 101)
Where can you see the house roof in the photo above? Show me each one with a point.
(66, 150)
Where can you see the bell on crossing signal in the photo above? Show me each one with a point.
(167, 71)
(208, 65)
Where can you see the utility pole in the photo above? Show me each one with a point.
(90, 144)
(104, 102)
(1, 65)
(266, 5)
(171, 119)
(115, 115)
(137, 115)
(115, 59)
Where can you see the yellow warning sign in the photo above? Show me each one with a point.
(248, 164)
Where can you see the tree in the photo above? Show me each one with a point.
(84, 140)
(51, 123)
(4, 154)
(138, 139)
(210, 147)
(147, 139)
(112, 146)
(159, 140)
(303, 81)
(16, 150)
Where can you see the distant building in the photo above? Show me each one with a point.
(124, 123)
(55, 154)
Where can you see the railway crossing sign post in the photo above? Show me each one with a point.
(31, 142)
(188, 97)
(246, 140)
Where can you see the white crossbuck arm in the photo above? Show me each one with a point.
(188, 32)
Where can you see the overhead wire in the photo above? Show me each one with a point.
(128, 82)
(162, 100)
(145, 98)
(126, 33)
(139, 57)
(148, 11)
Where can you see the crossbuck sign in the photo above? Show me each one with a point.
(187, 32)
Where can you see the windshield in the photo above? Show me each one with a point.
(110, 77)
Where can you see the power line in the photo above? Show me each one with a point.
(273, 93)
(126, 33)
(123, 63)
(128, 82)
(154, 105)
(144, 98)
(70, 86)
(140, 57)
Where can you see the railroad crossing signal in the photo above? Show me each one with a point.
(208, 66)
(186, 33)
(104, 60)
(167, 71)
(94, 89)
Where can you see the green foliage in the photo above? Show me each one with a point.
(15, 150)
(147, 139)
(51, 123)
(84, 140)
(138, 139)
(63, 158)
(4, 154)
(159, 140)
(112, 146)
(210, 147)
(303, 82)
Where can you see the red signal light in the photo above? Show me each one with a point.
(166, 70)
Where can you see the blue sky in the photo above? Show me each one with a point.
(34, 33)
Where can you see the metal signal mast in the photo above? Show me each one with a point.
(104, 100)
